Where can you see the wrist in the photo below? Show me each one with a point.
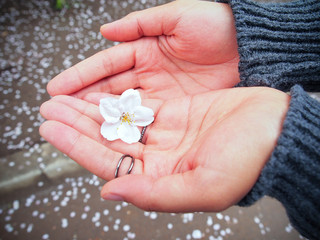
(292, 173)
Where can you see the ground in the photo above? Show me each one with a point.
(45, 195)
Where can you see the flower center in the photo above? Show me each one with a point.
(127, 118)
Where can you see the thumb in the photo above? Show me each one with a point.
(184, 192)
(154, 21)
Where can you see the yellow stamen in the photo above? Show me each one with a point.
(127, 118)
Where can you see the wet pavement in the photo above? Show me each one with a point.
(44, 194)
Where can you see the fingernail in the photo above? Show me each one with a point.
(113, 197)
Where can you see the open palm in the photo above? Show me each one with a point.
(181, 48)
(202, 153)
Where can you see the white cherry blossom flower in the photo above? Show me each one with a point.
(123, 116)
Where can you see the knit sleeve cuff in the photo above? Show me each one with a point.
(292, 175)
(279, 43)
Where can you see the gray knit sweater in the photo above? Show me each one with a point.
(279, 47)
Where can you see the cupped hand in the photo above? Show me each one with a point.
(202, 153)
(178, 49)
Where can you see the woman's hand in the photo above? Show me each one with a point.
(202, 152)
(178, 49)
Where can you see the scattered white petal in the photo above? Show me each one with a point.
(219, 216)
(153, 215)
(64, 223)
(105, 228)
(209, 221)
(126, 228)
(16, 204)
(45, 236)
(196, 234)
(216, 227)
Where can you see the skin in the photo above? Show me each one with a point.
(205, 149)
(202, 153)
(161, 55)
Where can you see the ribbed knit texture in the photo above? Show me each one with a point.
(279, 43)
(292, 174)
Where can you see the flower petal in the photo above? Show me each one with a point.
(129, 133)
(109, 109)
(110, 131)
(143, 116)
(129, 100)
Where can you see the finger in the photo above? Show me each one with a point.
(155, 21)
(79, 117)
(90, 154)
(95, 97)
(83, 107)
(106, 63)
(86, 119)
(115, 84)
(194, 190)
